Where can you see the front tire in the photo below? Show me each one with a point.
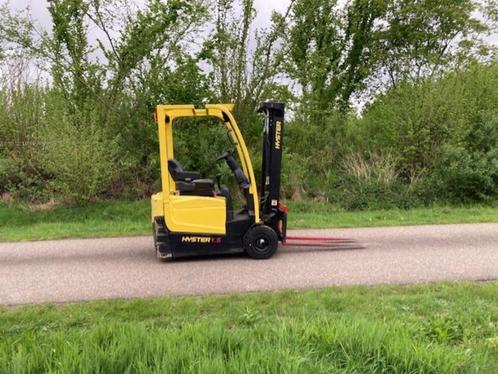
(260, 242)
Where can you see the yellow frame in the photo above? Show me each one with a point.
(165, 116)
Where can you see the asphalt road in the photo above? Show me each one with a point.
(72, 270)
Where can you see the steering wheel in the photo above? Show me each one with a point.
(236, 169)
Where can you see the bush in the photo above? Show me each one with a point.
(435, 140)
(80, 159)
(463, 176)
(443, 134)
(415, 121)
(294, 174)
(370, 183)
(21, 114)
(9, 173)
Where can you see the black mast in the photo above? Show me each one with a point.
(272, 157)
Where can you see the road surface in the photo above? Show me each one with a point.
(86, 269)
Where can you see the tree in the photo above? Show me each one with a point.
(107, 90)
(424, 38)
(335, 51)
(245, 64)
(133, 42)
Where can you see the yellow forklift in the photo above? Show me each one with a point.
(193, 216)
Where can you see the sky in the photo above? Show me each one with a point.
(39, 12)
(263, 7)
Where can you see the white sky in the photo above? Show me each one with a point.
(39, 9)
(263, 8)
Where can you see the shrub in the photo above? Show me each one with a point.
(294, 174)
(370, 183)
(463, 176)
(443, 134)
(9, 173)
(415, 121)
(21, 114)
(81, 159)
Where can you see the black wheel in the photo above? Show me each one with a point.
(160, 239)
(260, 242)
(154, 235)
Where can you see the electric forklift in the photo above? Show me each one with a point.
(193, 216)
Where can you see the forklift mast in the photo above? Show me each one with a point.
(272, 159)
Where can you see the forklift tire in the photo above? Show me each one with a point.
(159, 234)
(260, 242)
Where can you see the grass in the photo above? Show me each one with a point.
(315, 215)
(121, 218)
(128, 218)
(436, 328)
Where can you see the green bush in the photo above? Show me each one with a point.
(21, 115)
(414, 121)
(462, 176)
(21, 185)
(443, 134)
(370, 183)
(80, 159)
(9, 172)
(294, 174)
(435, 140)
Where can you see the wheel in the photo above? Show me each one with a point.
(159, 233)
(260, 242)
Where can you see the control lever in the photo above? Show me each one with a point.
(218, 180)
(225, 155)
(234, 166)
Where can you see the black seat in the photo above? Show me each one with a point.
(189, 182)
(178, 174)
(225, 192)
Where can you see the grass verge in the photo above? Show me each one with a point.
(436, 328)
(128, 218)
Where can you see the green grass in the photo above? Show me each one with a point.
(121, 218)
(436, 328)
(315, 215)
(125, 218)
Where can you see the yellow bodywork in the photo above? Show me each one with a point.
(196, 214)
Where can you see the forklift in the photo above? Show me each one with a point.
(193, 216)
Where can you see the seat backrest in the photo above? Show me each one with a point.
(178, 174)
(174, 168)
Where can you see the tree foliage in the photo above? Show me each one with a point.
(336, 51)
(421, 72)
(245, 62)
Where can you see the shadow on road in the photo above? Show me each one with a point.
(282, 250)
(332, 248)
(146, 255)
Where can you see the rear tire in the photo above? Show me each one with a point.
(160, 235)
(260, 242)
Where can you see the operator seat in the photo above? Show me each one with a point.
(189, 182)
(225, 192)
